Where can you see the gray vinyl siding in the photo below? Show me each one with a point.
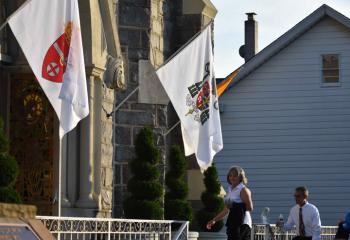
(286, 129)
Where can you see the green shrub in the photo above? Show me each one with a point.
(176, 206)
(4, 144)
(144, 170)
(143, 209)
(9, 195)
(145, 187)
(177, 209)
(8, 171)
(211, 180)
(145, 148)
(203, 217)
(213, 203)
(178, 188)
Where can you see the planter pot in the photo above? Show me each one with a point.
(212, 236)
(17, 211)
(193, 235)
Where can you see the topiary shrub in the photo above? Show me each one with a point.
(8, 171)
(212, 202)
(176, 206)
(9, 195)
(145, 187)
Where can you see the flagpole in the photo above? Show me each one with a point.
(8, 19)
(122, 102)
(172, 128)
(59, 202)
(60, 178)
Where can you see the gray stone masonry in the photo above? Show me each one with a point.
(106, 156)
(149, 30)
(142, 36)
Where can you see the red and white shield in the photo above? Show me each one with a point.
(55, 60)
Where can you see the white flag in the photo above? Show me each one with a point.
(189, 81)
(48, 32)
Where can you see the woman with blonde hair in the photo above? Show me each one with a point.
(238, 205)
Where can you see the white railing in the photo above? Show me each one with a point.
(263, 232)
(71, 228)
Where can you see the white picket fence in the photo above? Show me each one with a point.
(263, 232)
(72, 228)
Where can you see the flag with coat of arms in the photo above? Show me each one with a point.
(188, 78)
(48, 32)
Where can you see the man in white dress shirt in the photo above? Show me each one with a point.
(304, 216)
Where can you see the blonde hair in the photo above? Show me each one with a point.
(239, 172)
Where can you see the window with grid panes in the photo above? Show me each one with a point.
(330, 68)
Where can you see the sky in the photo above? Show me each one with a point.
(274, 17)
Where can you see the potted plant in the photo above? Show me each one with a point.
(176, 205)
(144, 186)
(8, 171)
(213, 204)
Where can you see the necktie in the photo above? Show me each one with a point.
(301, 223)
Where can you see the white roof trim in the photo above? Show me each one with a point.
(287, 38)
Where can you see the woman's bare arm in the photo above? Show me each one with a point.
(218, 217)
(246, 197)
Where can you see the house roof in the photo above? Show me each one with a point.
(286, 39)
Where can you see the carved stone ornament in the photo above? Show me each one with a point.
(114, 76)
(106, 199)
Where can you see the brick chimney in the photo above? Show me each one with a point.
(250, 47)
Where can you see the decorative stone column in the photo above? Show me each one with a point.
(86, 199)
(104, 66)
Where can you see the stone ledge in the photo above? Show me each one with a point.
(17, 211)
(205, 7)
